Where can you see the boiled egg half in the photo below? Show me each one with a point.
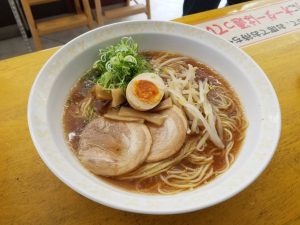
(145, 91)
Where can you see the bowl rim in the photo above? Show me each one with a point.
(117, 205)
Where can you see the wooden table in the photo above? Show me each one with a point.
(31, 194)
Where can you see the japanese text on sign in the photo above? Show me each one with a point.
(257, 24)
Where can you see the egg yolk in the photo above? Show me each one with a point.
(146, 91)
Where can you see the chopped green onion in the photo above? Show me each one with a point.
(119, 63)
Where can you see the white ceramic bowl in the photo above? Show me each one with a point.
(65, 67)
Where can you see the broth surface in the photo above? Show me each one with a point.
(74, 123)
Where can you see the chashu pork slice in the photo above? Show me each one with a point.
(168, 138)
(112, 148)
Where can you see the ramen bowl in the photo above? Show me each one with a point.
(56, 78)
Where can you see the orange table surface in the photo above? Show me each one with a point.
(31, 194)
